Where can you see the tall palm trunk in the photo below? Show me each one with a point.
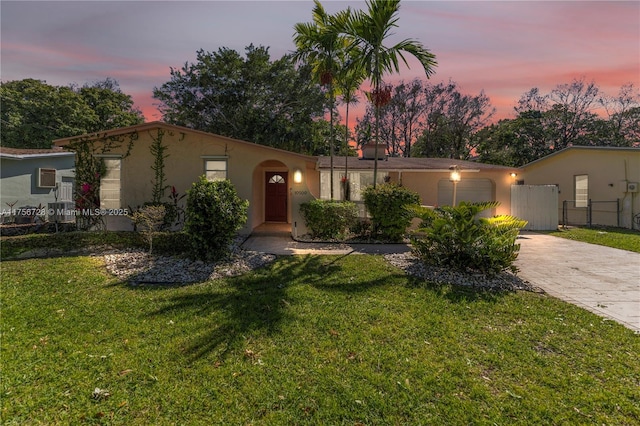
(375, 149)
(347, 190)
(376, 105)
(368, 31)
(331, 135)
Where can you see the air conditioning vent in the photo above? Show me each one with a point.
(632, 186)
(61, 212)
(46, 178)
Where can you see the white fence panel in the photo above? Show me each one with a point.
(537, 204)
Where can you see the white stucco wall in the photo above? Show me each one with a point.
(609, 170)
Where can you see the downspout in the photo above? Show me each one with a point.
(626, 193)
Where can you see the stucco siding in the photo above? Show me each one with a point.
(608, 172)
(426, 185)
(186, 154)
(19, 180)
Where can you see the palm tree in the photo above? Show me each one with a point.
(321, 43)
(348, 81)
(368, 31)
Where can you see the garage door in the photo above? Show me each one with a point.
(471, 190)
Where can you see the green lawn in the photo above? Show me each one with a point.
(625, 239)
(308, 340)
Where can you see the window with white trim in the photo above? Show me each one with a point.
(358, 181)
(581, 190)
(215, 169)
(110, 184)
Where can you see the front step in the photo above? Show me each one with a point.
(272, 230)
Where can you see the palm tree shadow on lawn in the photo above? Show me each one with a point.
(251, 304)
(258, 303)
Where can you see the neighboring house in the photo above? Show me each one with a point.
(34, 178)
(597, 185)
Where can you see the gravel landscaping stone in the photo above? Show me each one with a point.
(504, 281)
(139, 267)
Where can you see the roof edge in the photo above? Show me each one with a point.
(162, 125)
(582, 148)
(41, 155)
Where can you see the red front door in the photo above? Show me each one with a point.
(275, 205)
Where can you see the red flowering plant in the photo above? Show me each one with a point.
(87, 194)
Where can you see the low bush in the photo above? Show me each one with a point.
(329, 219)
(362, 229)
(149, 220)
(169, 215)
(387, 204)
(458, 238)
(214, 214)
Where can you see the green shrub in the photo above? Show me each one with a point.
(173, 243)
(387, 204)
(214, 214)
(329, 219)
(458, 238)
(362, 228)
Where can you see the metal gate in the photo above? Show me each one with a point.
(604, 213)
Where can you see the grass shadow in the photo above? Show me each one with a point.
(356, 284)
(248, 305)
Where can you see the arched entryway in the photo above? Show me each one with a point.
(276, 196)
(271, 199)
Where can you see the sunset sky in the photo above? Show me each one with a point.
(504, 48)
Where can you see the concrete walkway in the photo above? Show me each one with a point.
(603, 280)
(283, 245)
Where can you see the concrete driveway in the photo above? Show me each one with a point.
(603, 280)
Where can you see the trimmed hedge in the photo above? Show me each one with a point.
(214, 214)
(387, 204)
(329, 219)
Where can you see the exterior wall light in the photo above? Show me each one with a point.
(455, 174)
(297, 176)
(513, 175)
(455, 178)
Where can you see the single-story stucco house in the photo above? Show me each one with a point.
(274, 181)
(595, 184)
(31, 178)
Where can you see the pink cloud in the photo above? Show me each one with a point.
(503, 48)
